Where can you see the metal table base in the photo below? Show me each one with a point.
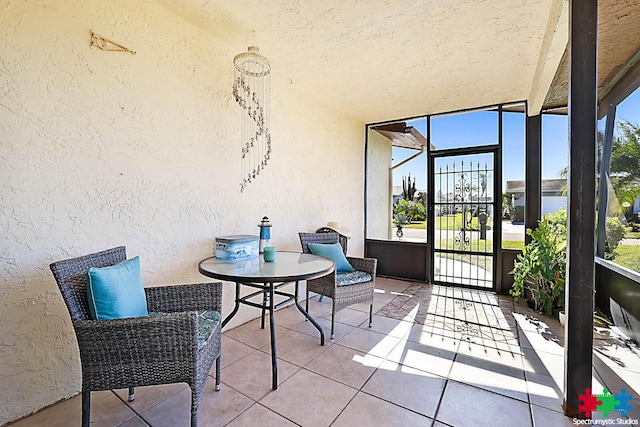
(269, 291)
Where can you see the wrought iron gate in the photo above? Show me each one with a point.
(464, 211)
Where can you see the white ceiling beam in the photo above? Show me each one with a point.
(553, 46)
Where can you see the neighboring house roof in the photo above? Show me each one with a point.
(550, 187)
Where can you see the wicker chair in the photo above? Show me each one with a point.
(341, 296)
(158, 349)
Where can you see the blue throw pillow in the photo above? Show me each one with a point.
(116, 291)
(334, 252)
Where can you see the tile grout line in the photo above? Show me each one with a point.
(531, 419)
(360, 389)
(139, 415)
(446, 383)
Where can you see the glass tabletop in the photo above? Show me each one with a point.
(288, 267)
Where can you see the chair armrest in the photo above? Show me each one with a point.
(175, 298)
(123, 348)
(368, 265)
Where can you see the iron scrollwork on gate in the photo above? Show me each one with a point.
(463, 196)
(463, 252)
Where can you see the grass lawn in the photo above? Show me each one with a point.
(632, 235)
(512, 244)
(486, 245)
(506, 244)
(475, 246)
(454, 222)
(628, 256)
(449, 222)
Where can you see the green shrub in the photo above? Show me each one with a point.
(558, 219)
(615, 232)
(541, 268)
(406, 211)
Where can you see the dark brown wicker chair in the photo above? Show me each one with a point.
(341, 296)
(157, 349)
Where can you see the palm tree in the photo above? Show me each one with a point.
(625, 163)
(624, 171)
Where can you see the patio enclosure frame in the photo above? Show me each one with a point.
(412, 260)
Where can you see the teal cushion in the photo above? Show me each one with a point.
(353, 277)
(208, 322)
(334, 252)
(116, 291)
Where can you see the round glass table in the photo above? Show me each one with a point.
(269, 278)
(288, 267)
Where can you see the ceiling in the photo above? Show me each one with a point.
(618, 47)
(380, 60)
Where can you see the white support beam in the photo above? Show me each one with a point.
(553, 46)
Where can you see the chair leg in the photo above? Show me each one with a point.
(194, 410)
(370, 314)
(86, 408)
(333, 320)
(132, 394)
(218, 373)
(306, 305)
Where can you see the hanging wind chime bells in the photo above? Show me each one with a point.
(251, 89)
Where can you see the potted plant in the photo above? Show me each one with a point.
(398, 224)
(540, 271)
(405, 211)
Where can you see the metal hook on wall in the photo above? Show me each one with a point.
(103, 43)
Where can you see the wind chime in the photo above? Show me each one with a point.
(251, 89)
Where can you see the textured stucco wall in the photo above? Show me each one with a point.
(378, 198)
(99, 149)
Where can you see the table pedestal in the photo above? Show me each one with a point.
(268, 291)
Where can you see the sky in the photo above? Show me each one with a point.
(481, 128)
(629, 109)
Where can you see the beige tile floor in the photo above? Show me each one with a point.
(435, 356)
